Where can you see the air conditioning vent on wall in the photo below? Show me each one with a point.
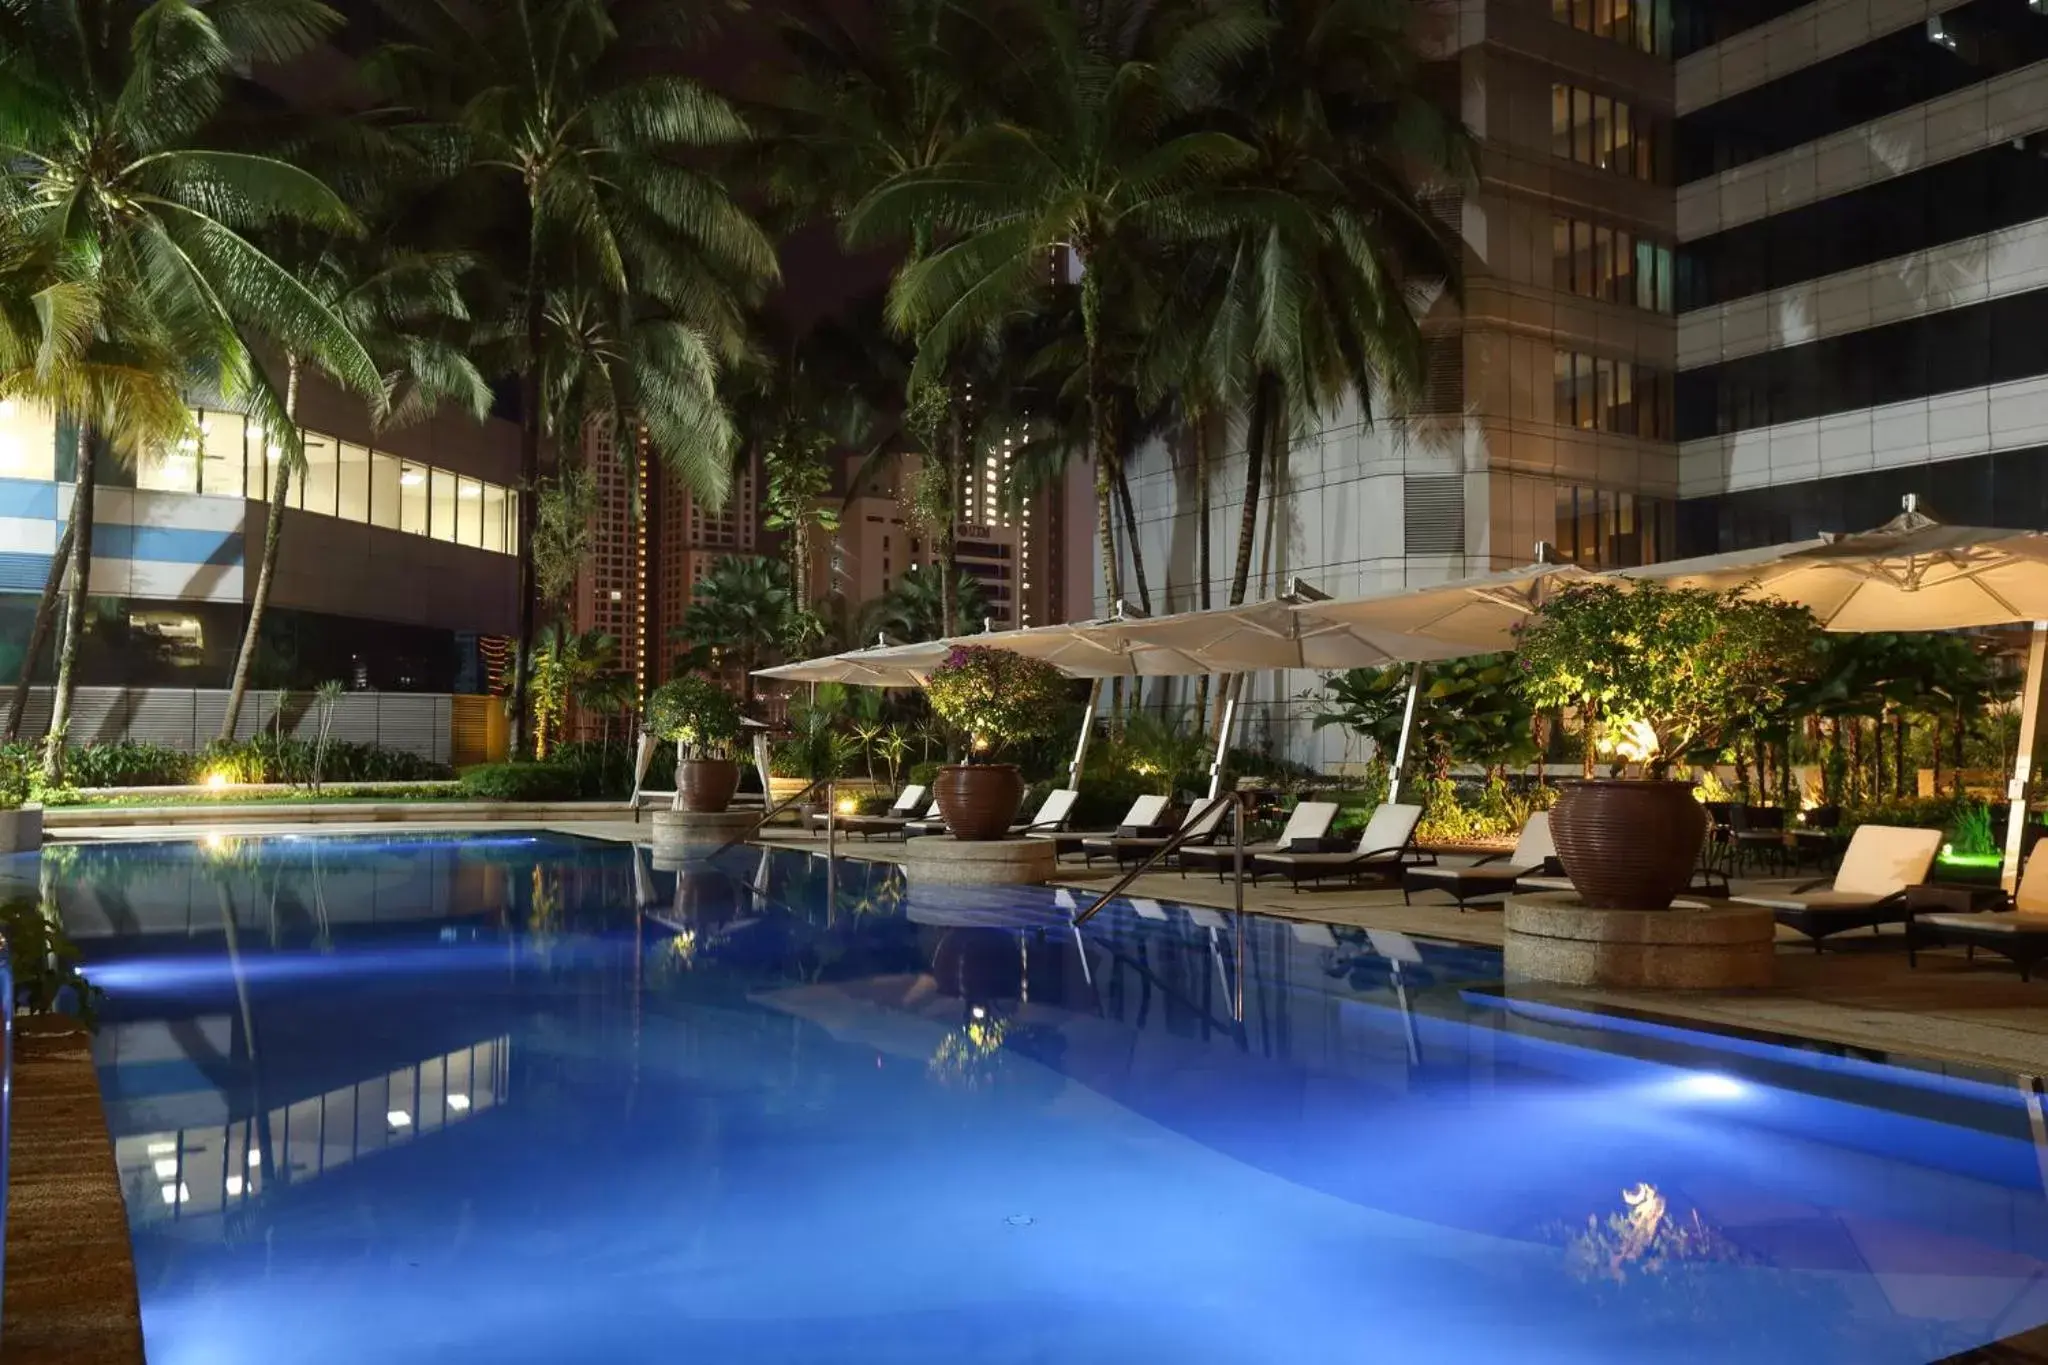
(1433, 507)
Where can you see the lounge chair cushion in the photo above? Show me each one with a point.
(1820, 902)
(1391, 827)
(1381, 858)
(1884, 859)
(2023, 922)
(2031, 896)
(1482, 875)
(1053, 811)
(1535, 847)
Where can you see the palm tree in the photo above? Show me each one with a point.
(913, 609)
(1086, 156)
(397, 302)
(743, 608)
(858, 106)
(574, 166)
(108, 371)
(566, 664)
(103, 108)
(1315, 295)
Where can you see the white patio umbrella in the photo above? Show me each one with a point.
(1482, 613)
(1443, 621)
(1913, 573)
(875, 666)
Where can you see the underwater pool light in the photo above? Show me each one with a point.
(1708, 1085)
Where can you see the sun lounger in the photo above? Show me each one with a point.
(1308, 821)
(1203, 820)
(1386, 845)
(1143, 814)
(1868, 890)
(2020, 935)
(901, 813)
(1492, 877)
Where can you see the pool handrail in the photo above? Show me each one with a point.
(1190, 829)
(769, 814)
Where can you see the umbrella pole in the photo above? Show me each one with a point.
(1407, 730)
(1223, 738)
(2023, 758)
(1087, 729)
(642, 752)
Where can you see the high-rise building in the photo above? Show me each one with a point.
(1863, 207)
(1010, 551)
(651, 541)
(1737, 271)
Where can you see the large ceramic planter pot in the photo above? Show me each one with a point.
(706, 785)
(1628, 845)
(979, 800)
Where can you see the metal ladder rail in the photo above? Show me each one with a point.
(1174, 844)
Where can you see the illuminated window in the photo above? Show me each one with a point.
(441, 504)
(172, 468)
(469, 512)
(412, 498)
(352, 492)
(316, 483)
(495, 535)
(28, 441)
(223, 464)
(386, 494)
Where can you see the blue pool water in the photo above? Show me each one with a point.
(529, 1099)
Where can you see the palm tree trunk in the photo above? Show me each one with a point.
(1258, 427)
(1900, 786)
(1101, 426)
(1123, 497)
(78, 578)
(1855, 760)
(39, 633)
(1202, 558)
(944, 552)
(529, 484)
(1270, 566)
(1961, 734)
(273, 528)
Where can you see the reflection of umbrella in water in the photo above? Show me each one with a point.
(1398, 951)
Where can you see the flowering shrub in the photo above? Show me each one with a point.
(699, 715)
(994, 697)
(1665, 671)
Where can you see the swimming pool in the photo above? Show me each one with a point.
(520, 1099)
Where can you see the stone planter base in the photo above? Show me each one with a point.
(945, 861)
(1691, 946)
(21, 831)
(678, 833)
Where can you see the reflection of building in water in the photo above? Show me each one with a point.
(190, 1171)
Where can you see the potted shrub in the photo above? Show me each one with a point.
(992, 698)
(1657, 674)
(704, 721)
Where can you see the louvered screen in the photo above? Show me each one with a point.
(1443, 380)
(1433, 509)
(189, 719)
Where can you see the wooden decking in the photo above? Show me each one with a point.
(70, 1276)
